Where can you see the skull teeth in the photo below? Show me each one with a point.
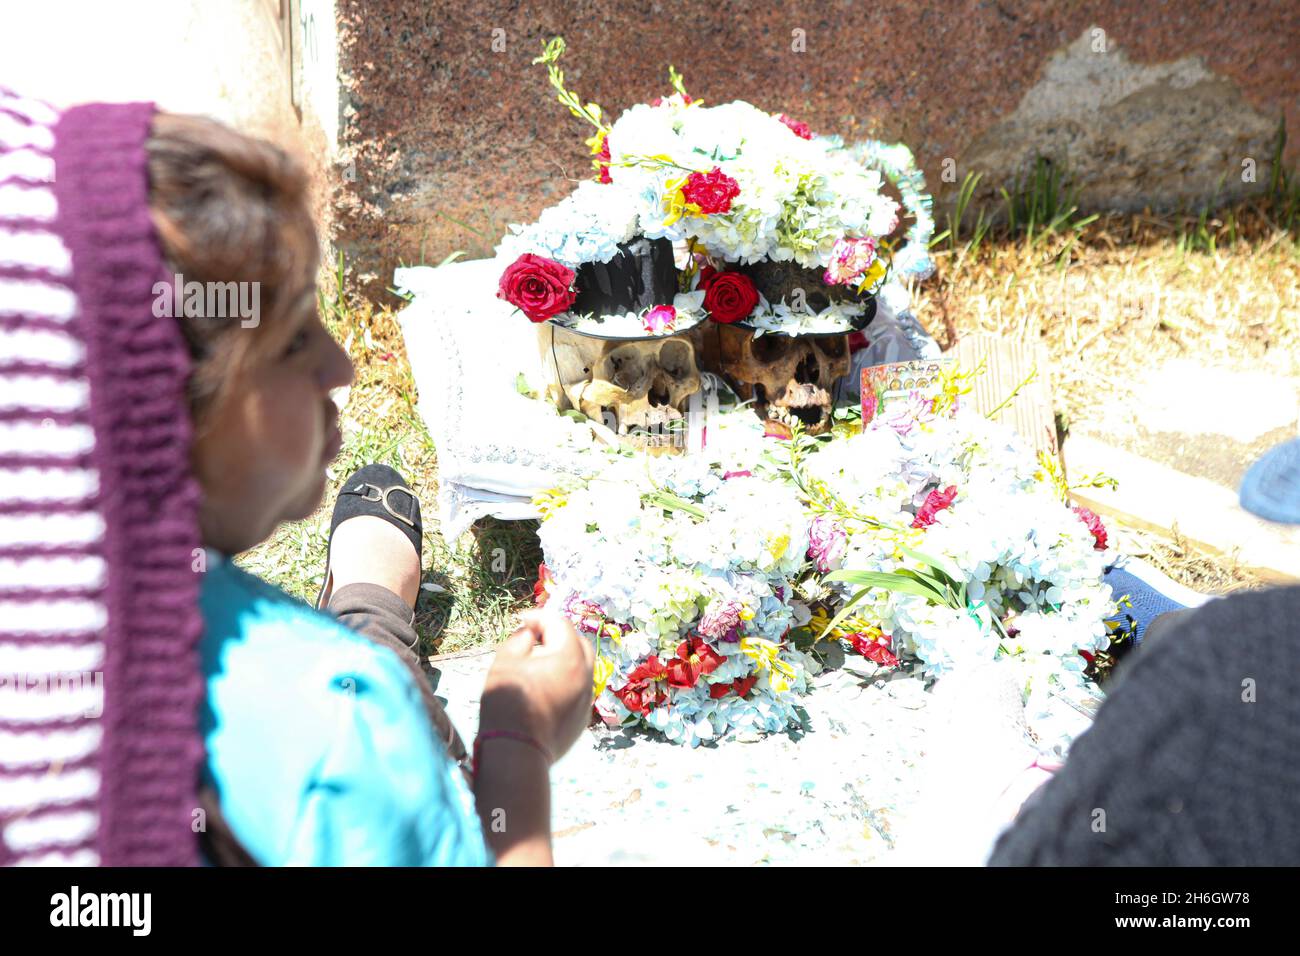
(787, 415)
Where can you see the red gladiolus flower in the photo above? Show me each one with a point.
(602, 161)
(802, 130)
(541, 593)
(652, 669)
(711, 191)
(694, 659)
(874, 651)
(740, 687)
(1094, 524)
(643, 690)
(744, 685)
(935, 502)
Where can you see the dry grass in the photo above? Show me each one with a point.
(1124, 292)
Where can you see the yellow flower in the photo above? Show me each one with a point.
(760, 650)
(872, 275)
(781, 677)
(1049, 472)
(603, 672)
(776, 545)
(764, 654)
(550, 501)
(850, 625)
(675, 204)
(614, 633)
(745, 614)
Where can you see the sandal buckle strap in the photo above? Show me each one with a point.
(369, 492)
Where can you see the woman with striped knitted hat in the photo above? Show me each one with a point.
(159, 706)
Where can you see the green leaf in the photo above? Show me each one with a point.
(844, 612)
(889, 581)
(941, 593)
(924, 558)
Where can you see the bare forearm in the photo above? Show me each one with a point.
(513, 793)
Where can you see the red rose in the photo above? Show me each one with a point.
(539, 286)
(729, 296)
(802, 130)
(711, 191)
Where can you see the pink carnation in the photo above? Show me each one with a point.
(849, 259)
(660, 319)
(721, 618)
(1094, 524)
(827, 542)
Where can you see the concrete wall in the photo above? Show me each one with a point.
(232, 60)
(428, 129)
(1147, 102)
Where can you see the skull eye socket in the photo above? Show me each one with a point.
(832, 346)
(624, 371)
(676, 358)
(769, 348)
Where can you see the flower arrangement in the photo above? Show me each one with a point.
(681, 576)
(938, 537)
(730, 185)
(931, 539)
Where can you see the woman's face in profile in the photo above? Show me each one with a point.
(260, 457)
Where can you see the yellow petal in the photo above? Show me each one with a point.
(604, 670)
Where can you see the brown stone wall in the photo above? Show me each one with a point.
(441, 127)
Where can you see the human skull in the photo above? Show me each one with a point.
(639, 390)
(788, 377)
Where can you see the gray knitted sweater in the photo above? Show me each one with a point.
(1195, 757)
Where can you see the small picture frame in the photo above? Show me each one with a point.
(882, 384)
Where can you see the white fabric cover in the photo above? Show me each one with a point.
(496, 447)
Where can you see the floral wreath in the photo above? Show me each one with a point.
(731, 189)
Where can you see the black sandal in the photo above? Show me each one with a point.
(381, 492)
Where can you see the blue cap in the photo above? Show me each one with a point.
(1271, 488)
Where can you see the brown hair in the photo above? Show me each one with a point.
(229, 208)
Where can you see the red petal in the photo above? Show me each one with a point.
(682, 674)
(651, 669)
(775, 429)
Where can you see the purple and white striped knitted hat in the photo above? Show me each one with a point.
(99, 620)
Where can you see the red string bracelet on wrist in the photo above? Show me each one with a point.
(508, 735)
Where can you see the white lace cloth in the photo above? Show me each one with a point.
(496, 448)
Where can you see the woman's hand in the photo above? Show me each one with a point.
(541, 683)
